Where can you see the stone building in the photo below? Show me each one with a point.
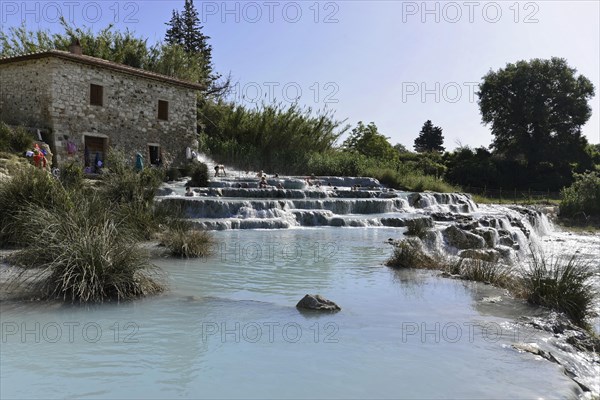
(82, 106)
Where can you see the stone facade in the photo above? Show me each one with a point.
(53, 93)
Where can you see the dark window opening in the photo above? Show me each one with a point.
(155, 158)
(163, 110)
(96, 95)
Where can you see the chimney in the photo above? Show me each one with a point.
(75, 47)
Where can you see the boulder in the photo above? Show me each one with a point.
(506, 240)
(462, 240)
(490, 235)
(317, 302)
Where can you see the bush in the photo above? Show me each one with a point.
(582, 199)
(336, 163)
(122, 184)
(173, 174)
(562, 284)
(16, 140)
(199, 175)
(187, 243)
(29, 186)
(81, 255)
(71, 177)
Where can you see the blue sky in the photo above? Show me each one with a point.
(396, 63)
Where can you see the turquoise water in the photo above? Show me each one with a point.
(228, 328)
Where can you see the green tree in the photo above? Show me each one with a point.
(186, 32)
(174, 35)
(430, 139)
(400, 148)
(366, 140)
(536, 110)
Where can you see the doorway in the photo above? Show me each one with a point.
(95, 149)
(155, 155)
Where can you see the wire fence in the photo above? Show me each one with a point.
(514, 195)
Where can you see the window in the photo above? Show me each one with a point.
(163, 110)
(96, 95)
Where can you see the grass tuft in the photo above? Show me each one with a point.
(562, 284)
(187, 243)
(409, 253)
(80, 256)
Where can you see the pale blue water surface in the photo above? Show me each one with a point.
(228, 328)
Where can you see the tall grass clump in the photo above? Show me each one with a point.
(562, 284)
(71, 177)
(27, 187)
(187, 243)
(582, 198)
(125, 185)
(81, 259)
(409, 253)
(130, 194)
(494, 273)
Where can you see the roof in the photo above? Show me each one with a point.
(103, 64)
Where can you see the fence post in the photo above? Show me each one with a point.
(500, 195)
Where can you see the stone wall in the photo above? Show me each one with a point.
(25, 93)
(55, 93)
(128, 116)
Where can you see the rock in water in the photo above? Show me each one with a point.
(317, 302)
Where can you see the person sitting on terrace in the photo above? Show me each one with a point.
(263, 182)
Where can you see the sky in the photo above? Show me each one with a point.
(395, 63)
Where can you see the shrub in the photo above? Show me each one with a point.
(582, 198)
(122, 184)
(562, 284)
(187, 243)
(336, 163)
(199, 175)
(16, 140)
(71, 176)
(173, 174)
(81, 255)
(29, 186)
